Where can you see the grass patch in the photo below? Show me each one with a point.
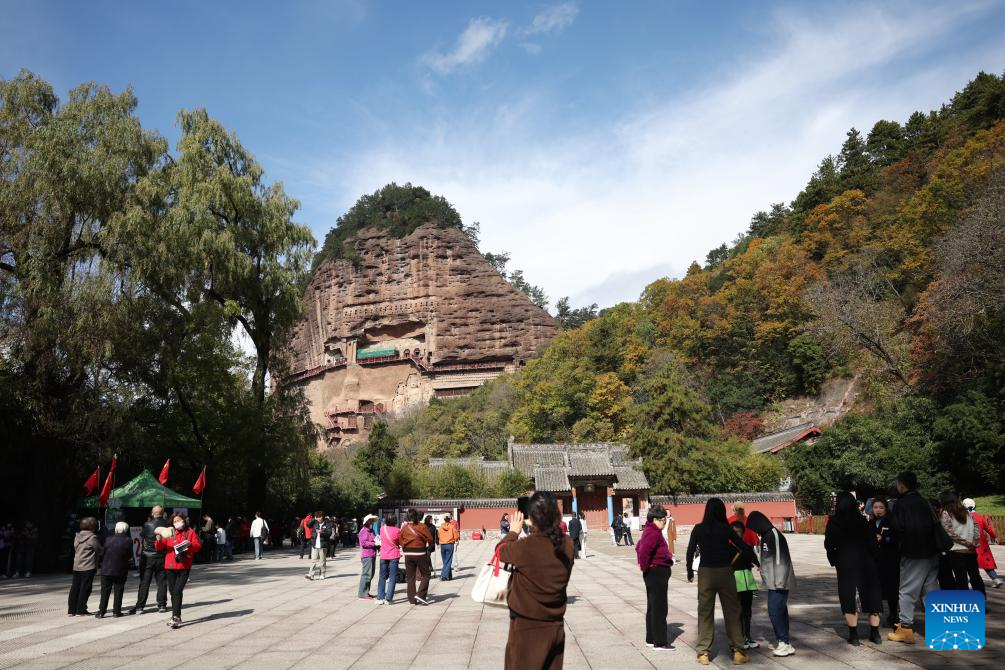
(991, 505)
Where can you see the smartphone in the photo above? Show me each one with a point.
(523, 504)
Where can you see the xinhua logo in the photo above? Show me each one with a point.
(954, 620)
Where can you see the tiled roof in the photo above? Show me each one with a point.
(783, 438)
(525, 460)
(702, 498)
(589, 464)
(552, 479)
(630, 479)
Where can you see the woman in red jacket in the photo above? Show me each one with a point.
(181, 547)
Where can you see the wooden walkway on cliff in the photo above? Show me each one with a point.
(380, 360)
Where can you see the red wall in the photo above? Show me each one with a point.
(689, 515)
(595, 506)
(476, 519)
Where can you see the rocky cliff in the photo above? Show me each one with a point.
(409, 319)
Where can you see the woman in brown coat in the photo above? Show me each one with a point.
(415, 542)
(542, 564)
(86, 554)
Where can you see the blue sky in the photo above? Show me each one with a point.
(602, 144)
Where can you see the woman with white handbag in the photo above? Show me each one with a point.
(542, 565)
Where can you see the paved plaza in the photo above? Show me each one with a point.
(264, 614)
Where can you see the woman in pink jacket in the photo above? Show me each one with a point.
(390, 554)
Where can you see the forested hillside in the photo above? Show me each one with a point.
(887, 266)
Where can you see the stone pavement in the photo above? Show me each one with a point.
(263, 614)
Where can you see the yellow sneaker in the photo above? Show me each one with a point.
(739, 658)
(704, 659)
(901, 634)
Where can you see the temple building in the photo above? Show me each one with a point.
(598, 479)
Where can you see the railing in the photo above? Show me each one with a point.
(492, 365)
(390, 358)
(813, 524)
(379, 359)
(313, 372)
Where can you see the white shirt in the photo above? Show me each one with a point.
(221, 535)
(583, 521)
(257, 525)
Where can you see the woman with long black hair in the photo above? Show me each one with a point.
(715, 542)
(851, 549)
(542, 564)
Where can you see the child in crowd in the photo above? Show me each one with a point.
(778, 577)
(745, 587)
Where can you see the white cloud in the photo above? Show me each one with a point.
(473, 45)
(598, 213)
(553, 19)
(533, 48)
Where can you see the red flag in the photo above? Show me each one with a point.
(163, 479)
(93, 481)
(200, 484)
(106, 490)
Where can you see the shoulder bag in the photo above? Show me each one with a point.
(492, 585)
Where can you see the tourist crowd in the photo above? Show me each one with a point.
(886, 550)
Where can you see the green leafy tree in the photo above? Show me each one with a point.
(866, 451)
(569, 317)
(377, 457)
(855, 169)
(885, 144)
(671, 424)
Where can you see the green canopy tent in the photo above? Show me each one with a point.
(144, 490)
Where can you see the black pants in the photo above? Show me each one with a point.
(153, 569)
(889, 582)
(108, 584)
(964, 567)
(176, 580)
(657, 579)
(80, 591)
(628, 537)
(746, 611)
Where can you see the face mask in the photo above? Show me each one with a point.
(179, 524)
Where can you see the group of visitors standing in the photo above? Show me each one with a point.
(723, 551)
(416, 542)
(168, 547)
(901, 550)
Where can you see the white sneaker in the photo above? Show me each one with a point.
(783, 649)
(995, 584)
(379, 602)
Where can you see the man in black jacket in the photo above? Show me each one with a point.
(576, 532)
(152, 563)
(321, 536)
(913, 523)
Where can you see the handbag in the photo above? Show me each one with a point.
(492, 585)
(943, 542)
